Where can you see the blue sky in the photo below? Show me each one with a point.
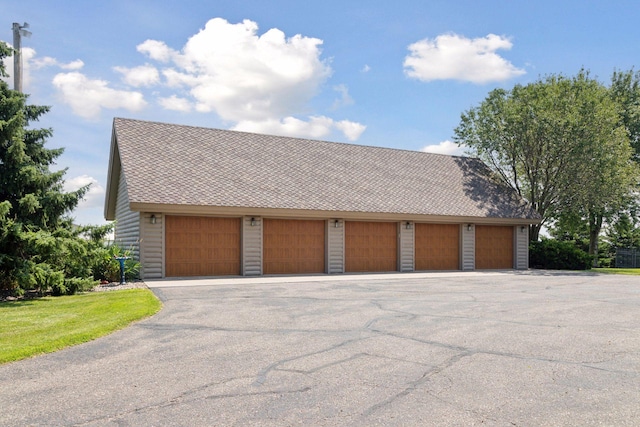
(393, 74)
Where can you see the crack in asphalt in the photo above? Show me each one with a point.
(585, 364)
(182, 398)
(397, 314)
(411, 386)
(461, 353)
(322, 367)
(261, 377)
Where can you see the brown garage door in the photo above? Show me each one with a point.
(202, 246)
(437, 246)
(494, 247)
(293, 246)
(371, 246)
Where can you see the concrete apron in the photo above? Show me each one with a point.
(239, 280)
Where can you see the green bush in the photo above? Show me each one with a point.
(131, 269)
(47, 279)
(59, 262)
(606, 262)
(106, 267)
(558, 255)
(77, 284)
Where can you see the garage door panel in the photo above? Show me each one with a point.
(202, 246)
(293, 246)
(371, 246)
(437, 246)
(494, 247)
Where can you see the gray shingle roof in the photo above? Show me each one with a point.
(185, 165)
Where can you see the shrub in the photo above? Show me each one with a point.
(606, 262)
(48, 279)
(77, 284)
(558, 255)
(131, 269)
(106, 267)
(60, 262)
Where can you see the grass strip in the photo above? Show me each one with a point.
(44, 325)
(627, 271)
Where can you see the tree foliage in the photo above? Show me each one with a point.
(623, 232)
(625, 91)
(560, 143)
(39, 246)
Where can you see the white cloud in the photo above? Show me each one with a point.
(48, 61)
(156, 50)
(344, 100)
(365, 69)
(87, 97)
(259, 82)
(73, 65)
(445, 147)
(242, 76)
(352, 130)
(316, 127)
(30, 61)
(92, 198)
(144, 75)
(451, 56)
(175, 103)
(176, 79)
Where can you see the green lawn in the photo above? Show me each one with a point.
(32, 327)
(627, 271)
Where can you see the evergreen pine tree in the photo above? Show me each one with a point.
(36, 232)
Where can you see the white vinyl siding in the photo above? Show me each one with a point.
(406, 247)
(521, 233)
(127, 230)
(335, 246)
(251, 246)
(468, 247)
(151, 246)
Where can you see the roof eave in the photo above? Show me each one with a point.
(178, 209)
(113, 178)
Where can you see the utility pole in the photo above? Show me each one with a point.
(19, 31)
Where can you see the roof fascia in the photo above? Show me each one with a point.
(113, 178)
(309, 214)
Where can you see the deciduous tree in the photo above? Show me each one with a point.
(559, 142)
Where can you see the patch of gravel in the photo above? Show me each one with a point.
(114, 286)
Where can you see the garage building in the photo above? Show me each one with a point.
(192, 201)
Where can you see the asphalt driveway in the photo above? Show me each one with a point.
(461, 349)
